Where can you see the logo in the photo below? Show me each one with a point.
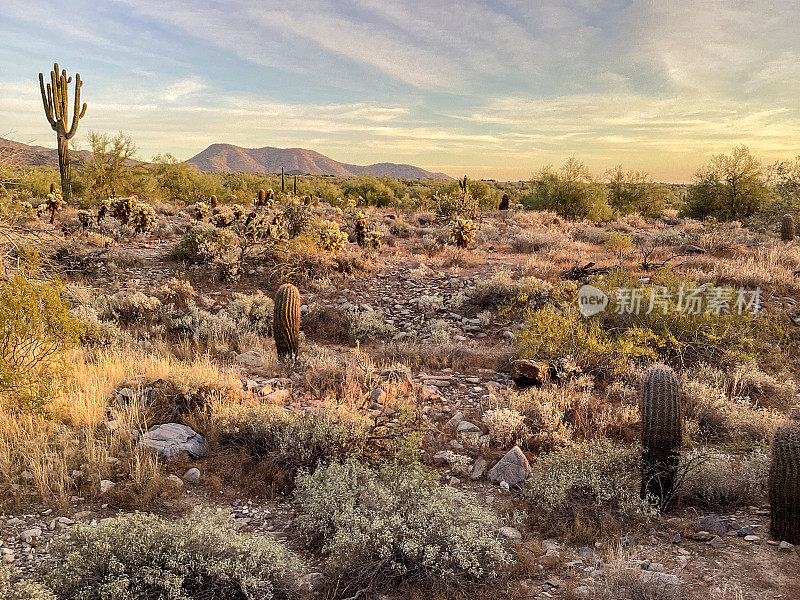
(591, 300)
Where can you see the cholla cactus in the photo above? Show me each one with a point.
(361, 229)
(200, 211)
(238, 211)
(330, 238)
(53, 203)
(286, 321)
(143, 218)
(265, 197)
(462, 231)
(102, 210)
(297, 216)
(122, 209)
(222, 218)
(84, 218)
(661, 432)
(787, 228)
(784, 483)
(374, 239)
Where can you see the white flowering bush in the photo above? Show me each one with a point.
(505, 425)
(588, 487)
(459, 463)
(396, 524)
(139, 556)
(291, 441)
(13, 587)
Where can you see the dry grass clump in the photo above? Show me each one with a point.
(724, 482)
(626, 580)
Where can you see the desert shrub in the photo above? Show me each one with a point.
(288, 440)
(128, 307)
(724, 482)
(570, 191)
(36, 327)
(203, 243)
(297, 216)
(501, 289)
(625, 579)
(253, 311)
(368, 326)
(139, 556)
(327, 323)
(558, 415)
(177, 293)
(454, 205)
(587, 488)
(505, 425)
(16, 588)
(396, 524)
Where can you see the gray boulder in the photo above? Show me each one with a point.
(513, 468)
(171, 439)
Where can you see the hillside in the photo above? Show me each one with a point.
(226, 158)
(17, 153)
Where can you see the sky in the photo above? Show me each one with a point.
(493, 89)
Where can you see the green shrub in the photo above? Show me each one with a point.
(396, 524)
(138, 557)
(128, 307)
(501, 290)
(297, 216)
(724, 482)
(587, 488)
(36, 327)
(570, 191)
(368, 326)
(288, 440)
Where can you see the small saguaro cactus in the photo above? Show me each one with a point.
(286, 321)
(504, 202)
(784, 483)
(661, 432)
(213, 200)
(787, 228)
(462, 184)
(55, 99)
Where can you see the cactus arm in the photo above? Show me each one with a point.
(47, 101)
(77, 114)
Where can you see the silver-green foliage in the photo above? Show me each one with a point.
(395, 524)
(139, 556)
(16, 588)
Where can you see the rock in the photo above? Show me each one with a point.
(526, 373)
(311, 581)
(551, 558)
(785, 546)
(691, 249)
(466, 427)
(192, 475)
(105, 486)
(586, 552)
(175, 480)
(752, 538)
(713, 524)
(171, 439)
(478, 468)
(628, 540)
(745, 531)
(510, 533)
(378, 396)
(251, 359)
(440, 458)
(716, 542)
(8, 555)
(278, 397)
(29, 535)
(581, 592)
(452, 424)
(513, 468)
(665, 581)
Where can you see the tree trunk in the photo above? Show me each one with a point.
(63, 167)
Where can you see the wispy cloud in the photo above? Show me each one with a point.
(183, 87)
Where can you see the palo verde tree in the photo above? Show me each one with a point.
(55, 98)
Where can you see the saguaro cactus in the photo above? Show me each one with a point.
(55, 99)
(286, 321)
(784, 483)
(787, 228)
(661, 432)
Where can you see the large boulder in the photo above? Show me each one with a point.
(251, 359)
(526, 373)
(171, 439)
(513, 468)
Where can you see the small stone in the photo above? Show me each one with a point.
(478, 468)
(745, 531)
(581, 592)
(192, 475)
(30, 535)
(175, 480)
(716, 542)
(586, 552)
(712, 524)
(105, 486)
(510, 533)
(628, 540)
(752, 538)
(465, 427)
(251, 359)
(784, 545)
(513, 468)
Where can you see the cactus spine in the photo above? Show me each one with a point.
(784, 484)
(286, 321)
(55, 99)
(787, 228)
(661, 432)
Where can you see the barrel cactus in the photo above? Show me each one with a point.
(784, 484)
(286, 321)
(661, 432)
(787, 228)
(504, 201)
(361, 229)
(213, 201)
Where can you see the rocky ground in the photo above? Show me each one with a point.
(707, 556)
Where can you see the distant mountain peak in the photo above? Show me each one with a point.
(228, 158)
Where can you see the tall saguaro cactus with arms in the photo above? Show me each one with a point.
(55, 98)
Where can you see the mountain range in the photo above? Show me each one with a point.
(227, 158)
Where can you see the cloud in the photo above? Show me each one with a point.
(183, 87)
